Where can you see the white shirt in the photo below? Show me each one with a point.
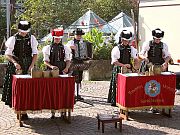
(115, 54)
(81, 51)
(146, 47)
(11, 42)
(71, 42)
(46, 53)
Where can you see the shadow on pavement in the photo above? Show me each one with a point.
(97, 100)
(158, 119)
(81, 125)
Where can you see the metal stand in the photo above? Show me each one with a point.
(79, 67)
(79, 98)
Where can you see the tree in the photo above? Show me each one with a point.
(48, 14)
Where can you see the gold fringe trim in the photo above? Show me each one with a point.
(43, 111)
(142, 107)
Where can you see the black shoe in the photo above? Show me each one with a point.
(24, 116)
(79, 97)
(52, 117)
(155, 111)
(113, 104)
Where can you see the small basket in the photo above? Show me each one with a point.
(55, 73)
(46, 74)
(36, 74)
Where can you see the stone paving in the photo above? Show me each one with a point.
(84, 120)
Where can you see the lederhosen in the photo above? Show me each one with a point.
(22, 53)
(155, 53)
(57, 56)
(125, 58)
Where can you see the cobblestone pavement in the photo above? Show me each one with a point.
(84, 120)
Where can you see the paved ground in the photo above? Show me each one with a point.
(84, 121)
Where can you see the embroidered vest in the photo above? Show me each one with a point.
(22, 47)
(57, 53)
(155, 53)
(125, 54)
(81, 50)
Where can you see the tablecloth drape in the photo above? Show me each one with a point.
(144, 91)
(42, 93)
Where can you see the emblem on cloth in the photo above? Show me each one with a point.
(152, 88)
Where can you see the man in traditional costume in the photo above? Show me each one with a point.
(21, 53)
(156, 51)
(81, 51)
(56, 55)
(121, 57)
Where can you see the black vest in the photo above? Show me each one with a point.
(57, 56)
(125, 54)
(155, 53)
(57, 53)
(22, 47)
(73, 51)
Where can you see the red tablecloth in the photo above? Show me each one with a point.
(144, 91)
(42, 93)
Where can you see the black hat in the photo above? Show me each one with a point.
(24, 26)
(158, 33)
(126, 35)
(78, 31)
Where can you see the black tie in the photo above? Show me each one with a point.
(78, 49)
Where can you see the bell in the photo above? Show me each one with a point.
(157, 69)
(124, 70)
(146, 73)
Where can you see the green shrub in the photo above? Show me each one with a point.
(101, 50)
(104, 52)
(39, 61)
(2, 58)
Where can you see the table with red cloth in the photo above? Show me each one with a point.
(141, 92)
(37, 94)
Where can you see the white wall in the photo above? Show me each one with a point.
(167, 18)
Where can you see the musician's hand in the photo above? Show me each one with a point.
(164, 66)
(30, 67)
(127, 65)
(18, 67)
(54, 67)
(65, 70)
(73, 47)
(146, 60)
